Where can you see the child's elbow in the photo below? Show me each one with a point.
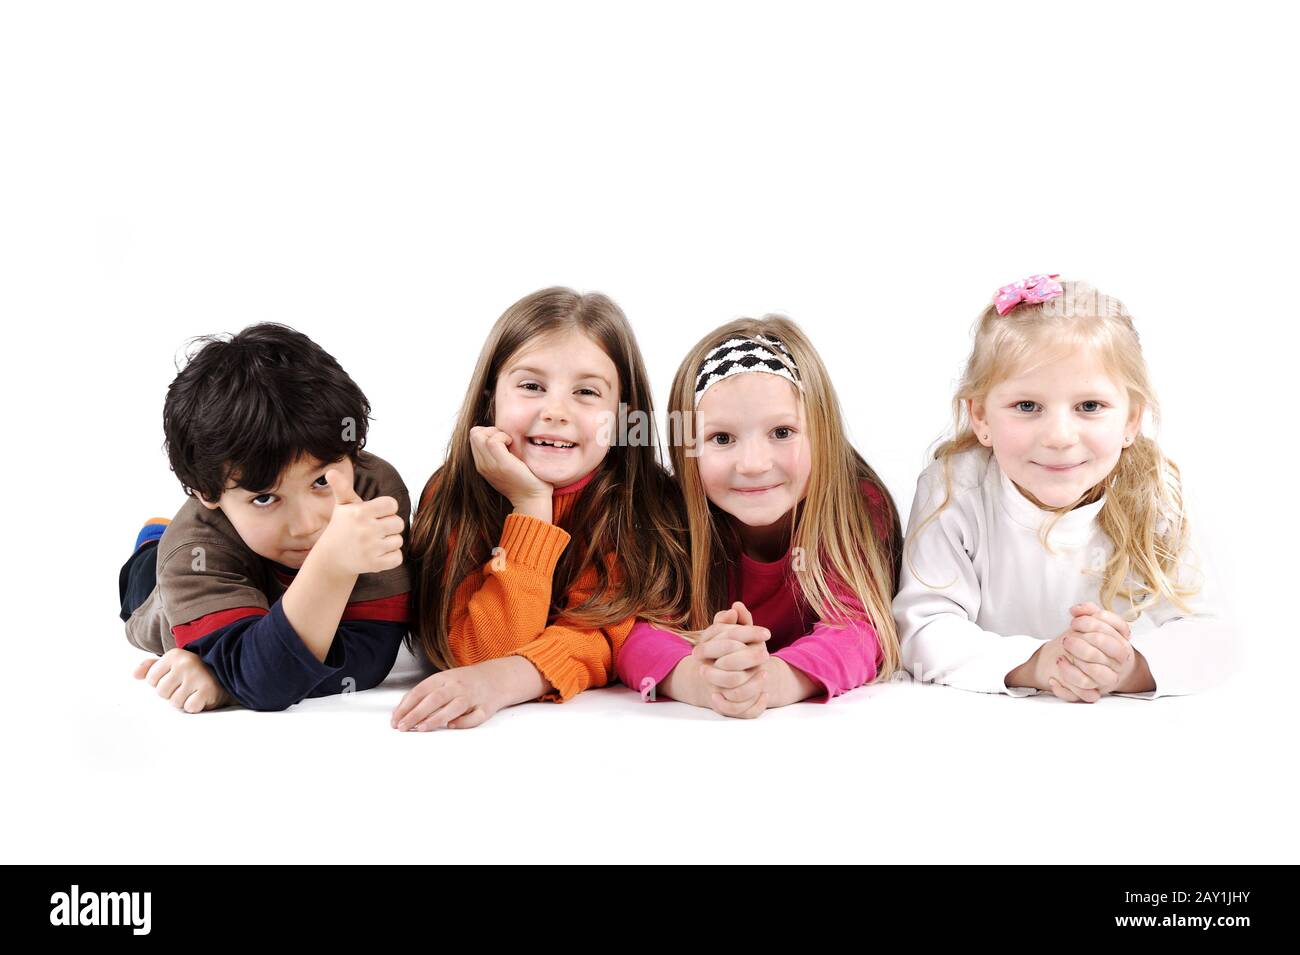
(374, 669)
(368, 680)
(264, 700)
(270, 706)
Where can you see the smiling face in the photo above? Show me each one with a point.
(556, 399)
(1058, 430)
(283, 523)
(754, 457)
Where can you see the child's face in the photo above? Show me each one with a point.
(283, 523)
(754, 458)
(562, 388)
(1057, 431)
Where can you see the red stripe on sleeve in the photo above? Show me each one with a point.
(187, 633)
(395, 609)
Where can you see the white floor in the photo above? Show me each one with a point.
(389, 181)
(109, 773)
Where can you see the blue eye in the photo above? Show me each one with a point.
(1098, 405)
(1020, 406)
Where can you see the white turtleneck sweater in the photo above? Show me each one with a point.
(995, 594)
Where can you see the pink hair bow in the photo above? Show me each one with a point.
(1035, 289)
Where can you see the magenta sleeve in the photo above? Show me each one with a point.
(840, 658)
(649, 653)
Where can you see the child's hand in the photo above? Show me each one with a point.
(746, 701)
(363, 537)
(184, 681)
(453, 699)
(733, 659)
(513, 479)
(1043, 672)
(1091, 658)
(1100, 656)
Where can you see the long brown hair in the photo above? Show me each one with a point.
(1143, 515)
(833, 526)
(631, 507)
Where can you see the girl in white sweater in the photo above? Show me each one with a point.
(1047, 547)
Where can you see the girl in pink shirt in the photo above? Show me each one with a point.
(794, 540)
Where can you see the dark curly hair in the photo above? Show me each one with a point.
(249, 407)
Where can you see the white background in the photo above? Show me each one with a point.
(389, 177)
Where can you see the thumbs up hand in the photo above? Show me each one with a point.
(363, 537)
(342, 487)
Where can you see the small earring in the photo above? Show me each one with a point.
(1127, 440)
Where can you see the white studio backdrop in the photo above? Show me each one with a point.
(389, 177)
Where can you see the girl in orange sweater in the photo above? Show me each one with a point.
(552, 524)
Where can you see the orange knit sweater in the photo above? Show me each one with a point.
(501, 609)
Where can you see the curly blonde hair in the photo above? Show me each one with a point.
(1143, 515)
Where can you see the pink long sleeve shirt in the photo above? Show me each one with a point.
(839, 657)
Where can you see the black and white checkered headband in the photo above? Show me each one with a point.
(738, 355)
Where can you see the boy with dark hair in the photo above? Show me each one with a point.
(282, 576)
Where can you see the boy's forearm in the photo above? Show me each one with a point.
(315, 601)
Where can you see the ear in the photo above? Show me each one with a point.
(978, 422)
(210, 505)
(1134, 423)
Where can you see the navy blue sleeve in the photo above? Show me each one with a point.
(263, 663)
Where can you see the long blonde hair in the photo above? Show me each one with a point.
(1143, 512)
(631, 508)
(834, 529)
